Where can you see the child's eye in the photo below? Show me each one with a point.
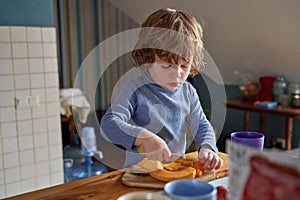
(166, 66)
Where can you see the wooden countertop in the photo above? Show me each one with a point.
(101, 187)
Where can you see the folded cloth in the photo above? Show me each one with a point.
(75, 99)
(67, 92)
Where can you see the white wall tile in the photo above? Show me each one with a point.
(40, 93)
(1, 168)
(20, 50)
(34, 34)
(57, 178)
(40, 140)
(7, 114)
(54, 123)
(55, 151)
(6, 83)
(51, 65)
(28, 185)
(41, 154)
(13, 189)
(35, 50)
(52, 80)
(1, 177)
(42, 168)
(25, 142)
(21, 93)
(6, 66)
(21, 66)
(4, 36)
(7, 99)
(5, 50)
(12, 174)
(26, 157)
(36, 65)
(54, 137)
(37, 80)
(21, 82)
(43, 181)
(2, 191)
(39, 125)
(53, 109)
(18, 34)
(28, 171)
(52, 94)
(10, 145)
(39, 112)
(56, 165)
(49, 34)
(24, 127)
(24, 113)
(1, 144)
(11, 160)
(9, 129)
(49, 50)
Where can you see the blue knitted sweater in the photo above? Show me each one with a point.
(143, 104)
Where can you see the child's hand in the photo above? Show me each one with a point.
(209, 158)
(154, 147)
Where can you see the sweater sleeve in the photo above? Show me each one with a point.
(201, 128)
(115, 124)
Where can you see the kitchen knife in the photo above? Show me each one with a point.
(175, 157)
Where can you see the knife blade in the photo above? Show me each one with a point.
(175, 157)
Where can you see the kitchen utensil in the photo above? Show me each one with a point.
(175, 157)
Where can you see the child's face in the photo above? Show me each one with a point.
(169, 75)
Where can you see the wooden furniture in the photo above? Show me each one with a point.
(248, 106)
(72, 129)
(105, 186)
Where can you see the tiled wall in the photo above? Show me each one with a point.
(30, 138)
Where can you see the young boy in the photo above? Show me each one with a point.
(155, 110)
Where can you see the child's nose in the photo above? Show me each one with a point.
(177, 70)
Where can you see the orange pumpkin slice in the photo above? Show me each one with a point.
(150, 165)
(173, 166)
(166, 175)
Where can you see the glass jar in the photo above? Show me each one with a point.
(293, 87)
(279, 87)
(296, 98)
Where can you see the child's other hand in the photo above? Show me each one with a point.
(209, 158)
(154, 147)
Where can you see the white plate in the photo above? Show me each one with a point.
(221, 181)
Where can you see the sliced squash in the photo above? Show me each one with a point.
(150, 165)
(166, 175)
(185, 162)
(192, 156)
(173, 166)
(199, 168)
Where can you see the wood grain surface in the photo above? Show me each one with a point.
(102, 187)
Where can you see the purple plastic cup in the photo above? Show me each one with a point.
(251, 139)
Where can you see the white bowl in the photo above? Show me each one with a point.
(143, 195)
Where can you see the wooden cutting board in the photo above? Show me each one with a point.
(147, 181)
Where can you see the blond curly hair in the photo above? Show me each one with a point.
(171, 35)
